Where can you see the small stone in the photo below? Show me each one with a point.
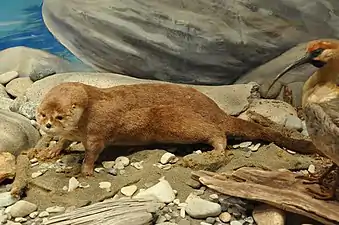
(200, 209)
(167, 167)
(108, 164)
(8, 76)
(55, 209)
(214, 197)
(43, 214)
(235, 222)
(99, 169)
(22, 208)
(84, 185)
(33, 215)
(36, 174)
(311, 169)
(245, 144)
(34, 160)
(175, 192)
(176, 201)
(198, 152)
(162, 191)
(236, 146)
(73, 184)
(113, 171)
(105, 185)
(248, 154)
(129, 190)
(122, 160)
(137, 165)
(291, 152)
(182, 212)
(6, 199)
(225, 217)
(293, 122)
(167, 216)
(210, 220)
(265, 214)
(255, 147)
(204, 223)
(34, 164)
(20, 219)
(249, 220)
(167, 158)
(193, 183)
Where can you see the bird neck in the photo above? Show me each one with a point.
(323, 77)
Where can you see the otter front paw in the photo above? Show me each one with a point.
(87, 171)
(48, 153)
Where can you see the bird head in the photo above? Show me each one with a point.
(318, 53)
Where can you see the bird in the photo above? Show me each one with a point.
(320, 105)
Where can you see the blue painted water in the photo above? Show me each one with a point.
(21, 24)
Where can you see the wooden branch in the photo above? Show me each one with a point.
(21, 175)
(111, 212)
(280, 189)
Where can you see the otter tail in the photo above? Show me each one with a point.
(255, 132)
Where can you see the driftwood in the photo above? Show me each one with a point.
(111, 212)
(281, 189)
(21, 175)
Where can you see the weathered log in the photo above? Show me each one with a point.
(281, 189)
(111, 212)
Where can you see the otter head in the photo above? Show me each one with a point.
(61, 109)
(318, 54)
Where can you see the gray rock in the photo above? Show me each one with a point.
(18, 86)
(3, 92)
(275, 110)
(293, 122)
(22, 208)
(30, 62)
(6, 199)
(210, 42)
(200, 209)
(5, 103)
(233, 99)
(17, 132)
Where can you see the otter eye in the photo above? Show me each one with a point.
(59, 117)
(43, 115)
(74, 106)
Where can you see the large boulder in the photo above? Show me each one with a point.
(17, 133)
(233, 99)
(202, 42)
(34, 63)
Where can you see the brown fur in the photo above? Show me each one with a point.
(143, 114)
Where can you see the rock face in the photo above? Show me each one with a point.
(231, 98)
(17, 133)
(205, 42)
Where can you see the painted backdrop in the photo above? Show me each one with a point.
(21, 24)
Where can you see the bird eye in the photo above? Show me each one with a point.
(317, 52)
(59, 117)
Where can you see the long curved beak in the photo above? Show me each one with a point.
(306, 59)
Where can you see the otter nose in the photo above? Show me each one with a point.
(48, 125)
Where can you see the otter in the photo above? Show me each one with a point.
(142, 114)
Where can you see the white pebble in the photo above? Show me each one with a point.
(255, 147)
(198, 152)
(34, 160)
(123, 160)
(36, 174)
(84, 185)
(55, 209)
(33, 215)
(311, 169)
(182, 212)
(204, 223)
(234, 222)
(129, 190)
(214, 197)
(43, 214)
(108, 164)
(245, 144)
(225, 217)
(137, 165)
(99, 169)
(176, 201)
(167, 158)
(73, 184)
(20, 219)
(291, 152)
(105, 185)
